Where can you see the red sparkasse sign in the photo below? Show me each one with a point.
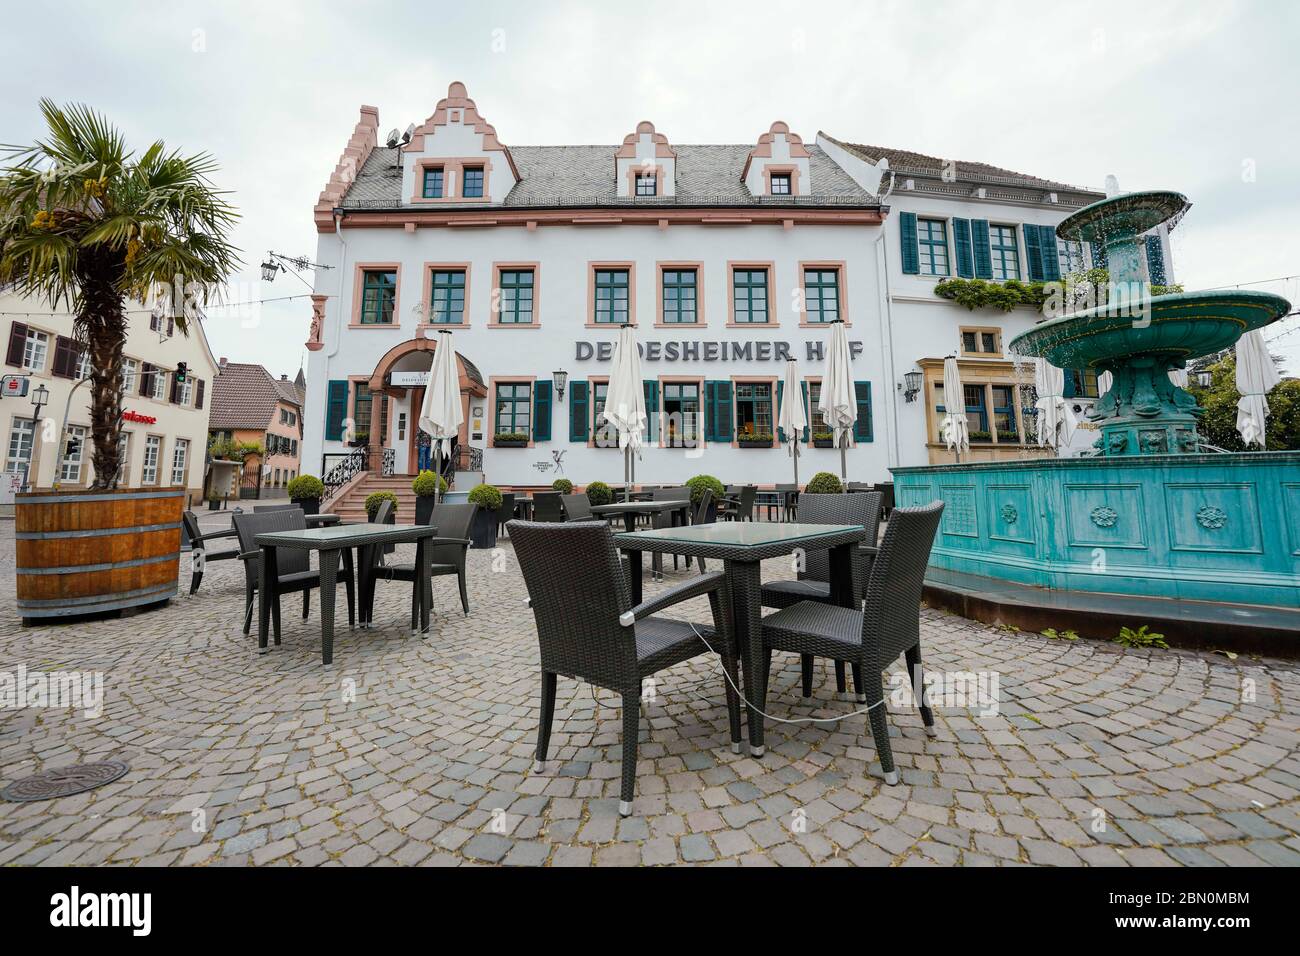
(129, 416)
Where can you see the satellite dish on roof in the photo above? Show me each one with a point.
(392, 137)
(410, 131)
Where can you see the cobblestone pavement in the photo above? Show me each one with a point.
(1099, 756)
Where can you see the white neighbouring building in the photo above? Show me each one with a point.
(164, 424)
(725, 258)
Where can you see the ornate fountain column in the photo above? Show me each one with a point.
(1138, 339)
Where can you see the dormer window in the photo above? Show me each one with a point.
(647, 184)
(780, 184)
(433, 183)
(472, 182)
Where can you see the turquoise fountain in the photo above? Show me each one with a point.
(1152, 514)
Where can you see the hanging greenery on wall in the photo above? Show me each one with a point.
(1081, 289)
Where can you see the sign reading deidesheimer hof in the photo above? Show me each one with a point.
(711, 351)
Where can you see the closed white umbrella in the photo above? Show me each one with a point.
(838, 404)
(1056, 421)
(1179, 376)
(1256, 377)
(956, 432)
(625, 402)
(792, 419)
(440, 413)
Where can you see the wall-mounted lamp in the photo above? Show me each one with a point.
(1205, 378)
(911, 386)
(560, 379)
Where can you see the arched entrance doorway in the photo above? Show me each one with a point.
(400, 376)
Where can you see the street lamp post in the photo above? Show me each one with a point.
(40, 398)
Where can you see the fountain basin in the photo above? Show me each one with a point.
(1179, 327)
(1192, 527)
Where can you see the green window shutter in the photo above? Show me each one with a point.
(578, 411)
(541, 411)
(1155, 260)
(336, 409)
(979, 231)
(862, 426)
(780, 397)
(1051, 261)
(651, 409)
(961, 237)
(717, 398)
(907, 236)
(1098, 255)
(1033, 251)
(807, 412)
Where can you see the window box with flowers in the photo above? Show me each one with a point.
(823, 439)
(510, 440)
(756, 440)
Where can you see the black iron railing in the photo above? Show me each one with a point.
(345, 468)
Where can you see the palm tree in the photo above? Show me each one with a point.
(85, 223)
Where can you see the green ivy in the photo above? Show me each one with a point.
(1006, 296)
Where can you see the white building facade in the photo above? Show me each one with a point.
(726, 259)
(164, 431)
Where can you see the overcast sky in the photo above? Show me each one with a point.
(1199, 97)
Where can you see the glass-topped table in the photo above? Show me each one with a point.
(331, 541)
(742, 546)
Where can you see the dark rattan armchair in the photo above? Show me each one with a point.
(888, 624)
(200, 553)
(813, 582)
(547, 506)
(588, 630)
(577, 507)
(447, 554)
(293, 565)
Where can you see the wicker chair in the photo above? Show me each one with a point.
(293, 565)
(588, 630)
(446, 555)
(506, 511)
(888, 624)
(813, 582)
(198, 546)
(664, 519)
(577, 507)
(789, 506)
(741, 506)
(547, 506)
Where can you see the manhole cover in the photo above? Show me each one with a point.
(64, 781)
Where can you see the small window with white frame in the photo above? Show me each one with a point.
(184, 391)
(83, 365)
(180, 461)
(152, 450)
(158, 384)
(35, 349)
(21, 434)
(123, 456)
(130, 375)
(74, 449)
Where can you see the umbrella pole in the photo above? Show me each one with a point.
(627, 463)
(795, 446)
(844, 468)
(437, 473)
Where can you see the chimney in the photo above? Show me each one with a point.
(283, 377)
(222, 363)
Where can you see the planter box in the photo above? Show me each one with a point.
(483, 533)
(424, 508)
(309, 506)
(754, 444)
(131, 535)
(823, 442)
(509, 444)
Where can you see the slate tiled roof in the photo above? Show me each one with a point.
(584, 176)
(904, 160)
(245, 396)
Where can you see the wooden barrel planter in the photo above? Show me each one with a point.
(87, 552)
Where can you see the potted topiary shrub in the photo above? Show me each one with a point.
(825, 483)
(426, 487)
(563, 485)
(373, 500)
(306, 492)
(599, 493)
(483, 534)
(510, 440)
(756, 440)
(823, 439)
(698, 484)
